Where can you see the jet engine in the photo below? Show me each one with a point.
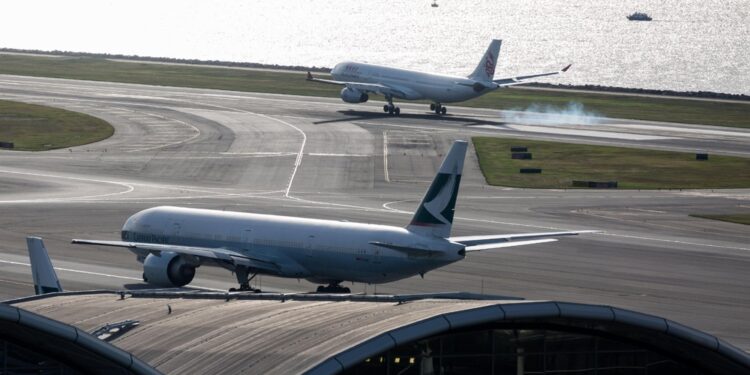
(167, 270)
(350, 95)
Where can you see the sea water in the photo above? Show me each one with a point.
(691, 45)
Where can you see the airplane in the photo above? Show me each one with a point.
(172, 242)
(45, 278)
(361, 79)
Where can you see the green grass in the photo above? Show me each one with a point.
(732, 218)
(36, 128)
(621, 106)
(562, 163)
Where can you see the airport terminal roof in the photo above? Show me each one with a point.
(205, 332)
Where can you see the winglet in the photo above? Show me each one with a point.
(45, 278)
(309, 76)
(565, 69)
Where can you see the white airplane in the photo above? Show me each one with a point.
(45, 278)
(361, 79)
(172, 242)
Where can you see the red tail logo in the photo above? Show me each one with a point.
(489, 66)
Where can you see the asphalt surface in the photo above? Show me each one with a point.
(322, 158)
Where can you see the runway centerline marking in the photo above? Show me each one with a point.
(385, 156)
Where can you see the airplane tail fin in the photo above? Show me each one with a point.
(45, 278)
(485, 71)
(434, 216)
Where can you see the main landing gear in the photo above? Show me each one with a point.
(334, 288)
(438, 108)
(242, 278)
(390, 108)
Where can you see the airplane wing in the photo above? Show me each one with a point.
(364, 87)
(503, 82)
(478, 243)
(215, 254)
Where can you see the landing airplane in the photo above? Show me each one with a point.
(362, 79)
(172, 242)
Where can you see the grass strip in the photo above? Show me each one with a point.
(561, 163)
(620, 106)
(37, 128)
(732, 218)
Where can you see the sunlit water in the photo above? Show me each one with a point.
(691, 45)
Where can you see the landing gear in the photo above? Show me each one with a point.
(438, 108)
(334, 288)
(242, 278)
(390, 108)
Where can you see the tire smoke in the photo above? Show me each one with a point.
(538, 114)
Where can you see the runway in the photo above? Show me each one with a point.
(322, 158)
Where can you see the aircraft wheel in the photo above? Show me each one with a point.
(321, 289)
(443, 110)
(346, 290)
(397, 111)
(385, 108)
(390, 110)
(432, 106)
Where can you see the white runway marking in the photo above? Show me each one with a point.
(129, 188)
(108, 275)
(340, 155)
(385, 156)
(564, 131)
(684, 130)
(75, 271)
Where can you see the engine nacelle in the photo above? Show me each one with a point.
(168, 270)
(353, 95)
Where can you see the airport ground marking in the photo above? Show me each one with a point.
(129, 187)
(196, 135)
(385, 156)
(95, 273)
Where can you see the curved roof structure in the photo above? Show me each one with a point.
(69, 347)
(203, 332)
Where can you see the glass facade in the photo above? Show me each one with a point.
(15, 359)
(520, 351)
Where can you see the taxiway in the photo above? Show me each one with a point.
(319, 157)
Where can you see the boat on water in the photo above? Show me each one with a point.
(434, 4)
(639, 16)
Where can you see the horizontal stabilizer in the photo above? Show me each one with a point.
(501, 238)
(410, 251)
(512, 81)
(45, 278)
(498, 245)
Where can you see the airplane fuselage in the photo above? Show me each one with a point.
(318, 250)
(415, 85)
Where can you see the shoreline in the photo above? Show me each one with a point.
(703, 95)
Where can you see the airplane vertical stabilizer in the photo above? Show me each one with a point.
(434, 216)
(485, 71)
(45, 278)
